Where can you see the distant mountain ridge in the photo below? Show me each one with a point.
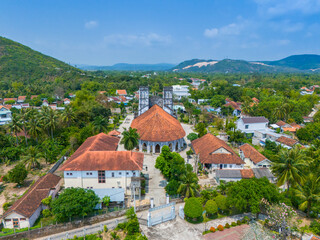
(129, 67)
(295, 63)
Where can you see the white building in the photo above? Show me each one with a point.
(180, 91)
(24, 212)
(98, 166)
(253, 158)
(215, 153)
(249, 125)
(5, 115)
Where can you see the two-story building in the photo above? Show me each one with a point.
(249, 125)
(214, 153)
(5, 115)
(180, 91)
(252, 157)
(98, 166)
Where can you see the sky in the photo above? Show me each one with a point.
(106, 32)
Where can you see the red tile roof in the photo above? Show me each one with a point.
(33, 96)
(30, 202)
(296, 125)
(102, 92)
(114, 133)
(22, 98)
(4, 107)
(256, 100)
(234, 105)
(156, 125)
(105, 160)
(121, 92)
(208, 144)
(281, 123)
(252, 153)
(287, 141)
(247, 173)
(9, 99)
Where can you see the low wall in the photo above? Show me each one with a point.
(62, 227)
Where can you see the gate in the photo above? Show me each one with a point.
(181, 212)
(163, 216)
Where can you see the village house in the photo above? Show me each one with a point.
(98, 166)
(121, 92)
(5, 100)
(236, 106)
(214, 153)
(233, 175)
(249, 125)
(252, 157)
(26, 210)
(66, 101)
(33, 97)
(45, 103)
(5, 115)
(180, 91)
(21, 99)
(286, 142)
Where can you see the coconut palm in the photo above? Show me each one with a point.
(15, 126)
(309, 192)
(289, 166)
(189, 185)
(50, 120)
(34, 125)
(130, 138)
(68, 115)
(31, 158)
(100, 124)
(24, 116)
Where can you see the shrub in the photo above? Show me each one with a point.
(315, 227)
(220, 228)
(133, 227)
(211, 207)
(193, 208)
(206, 232)
(233, 224)
(46, 213)
(238, 222)
(212, 229)
(105, 228)
(121, 226)
(227, 225)
(243, 221)
(6, 205)
(246, 218)
(221, 202)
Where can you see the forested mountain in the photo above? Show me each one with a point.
(129, 67)
(21, 63)
(297, 63)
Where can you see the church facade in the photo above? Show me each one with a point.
(156, 124)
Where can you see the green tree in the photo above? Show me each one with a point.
(68, 115)
(130, 138)
(201, 129)
(74, 202)
(100, 124)
(15, 126)
(211, 208)
(193, 208)
(18, 174)
(31, 159)
(192, 136)
(221, 202)
(309, 192)
(189, 185)
(288, 168)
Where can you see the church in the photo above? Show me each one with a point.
(156, 124)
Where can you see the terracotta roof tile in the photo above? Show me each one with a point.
(22, 98)
(252, 153)
(157, 125)
(29, 202)
(9, 99)
(105, 160)
(287, 141)
(296, 125)
(121, 92)
(114, 133)
(289, 129)
(233, 104)
(281, 123)
(256, 100)
(247, 173)
(208, 144)
(33, 96)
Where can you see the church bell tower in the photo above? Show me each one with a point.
(168, 100)
(143, 100)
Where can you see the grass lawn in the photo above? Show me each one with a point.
(213, 130)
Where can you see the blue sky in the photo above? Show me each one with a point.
(149, 31)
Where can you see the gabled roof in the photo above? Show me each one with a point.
(33, 96)
(296, 125)
(281, 123)
(121, 92)
(66, 99)
(287, 141)
(252, 153)
(3, 107)
(30, 201)
(208, 144)
(256, 100)
(262, 172)
(234, 105)
(247, 120)
(22, 98)
(228, 173)
(9, 99)
(105, 160)
(156, 125)
(114, 133)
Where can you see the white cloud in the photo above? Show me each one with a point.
(144, 39)
(230, 29)
(91, 24)
(272, 8)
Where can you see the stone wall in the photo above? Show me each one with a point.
(62, 227)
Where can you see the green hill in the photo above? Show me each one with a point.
(21, 63)
(302, 62)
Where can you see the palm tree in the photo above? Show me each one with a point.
(50, 120)
(24, 115)
(309, 192)
(100, 124)
(15, 126)
(68, 115)
(130, 138)
(34, 125)
(189, 185)
(246, 107)
(289, 166)
(31, 159)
